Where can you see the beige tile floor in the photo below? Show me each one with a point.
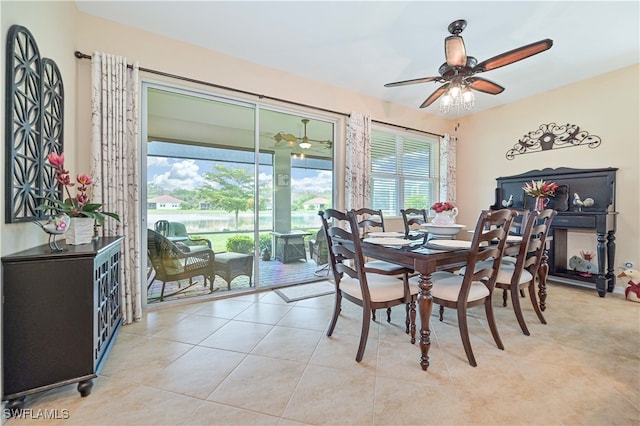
(254, 359)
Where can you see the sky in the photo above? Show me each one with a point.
(171, 174)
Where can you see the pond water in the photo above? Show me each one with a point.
(203, 222)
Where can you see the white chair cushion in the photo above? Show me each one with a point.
(381, 287)
(509, 259)
(505, 273)
(448, 287)
(384, 266)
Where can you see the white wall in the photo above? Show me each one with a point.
(52, 24)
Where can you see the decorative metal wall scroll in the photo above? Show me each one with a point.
(551, 136)
(34, 105)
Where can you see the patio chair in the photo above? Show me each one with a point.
(319, 253)
(177, 232)
(171, 263)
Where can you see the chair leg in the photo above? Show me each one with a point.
(504, 297)
(162, 290)
(464, 335)
(364, 334)
(388, 314)
(488, 308)
(534, 301)
(441, 312)
(411, 313)
(515, 301)
(406, 319)
(373, 315)
(336, 313)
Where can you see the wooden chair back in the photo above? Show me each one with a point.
(411, 218)
(488, 244)
(369, 220)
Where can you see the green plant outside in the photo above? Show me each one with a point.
(240, 244)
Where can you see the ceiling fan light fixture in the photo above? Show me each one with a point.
(468, 99)
(304, 144)
(445, 103)
(457, 97)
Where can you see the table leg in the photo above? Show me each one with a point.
(543, 271)
(425, 304)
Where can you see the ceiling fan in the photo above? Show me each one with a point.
(459, 69)
(287, 139)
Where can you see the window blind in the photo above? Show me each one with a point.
(403, 171)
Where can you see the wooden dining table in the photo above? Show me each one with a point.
(426, 260)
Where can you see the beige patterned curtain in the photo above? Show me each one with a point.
(115, 153)
(358, 161)
(448, 168)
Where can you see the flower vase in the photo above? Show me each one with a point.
(541, 203)
(80, 231)
(447, 217)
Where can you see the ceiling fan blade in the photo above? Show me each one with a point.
(414, 81)
(514, 55)
(484, 85)
(455, 51)
(435, 95)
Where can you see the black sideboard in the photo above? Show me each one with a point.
(597, 184)
(60, 313)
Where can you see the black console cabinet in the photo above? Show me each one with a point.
(598, 184)
(61, 311)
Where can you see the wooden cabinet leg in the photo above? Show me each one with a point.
(601, 280)
(611, 259)
(14, 406)
(84, 387)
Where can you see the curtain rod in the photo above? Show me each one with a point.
(81, 55)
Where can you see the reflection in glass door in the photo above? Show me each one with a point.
(300, 184)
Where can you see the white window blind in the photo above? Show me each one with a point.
(403, 170)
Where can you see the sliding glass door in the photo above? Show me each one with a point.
(245, 180)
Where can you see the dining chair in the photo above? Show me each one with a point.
(368, 221)
(356, 283)
(515, 277)
(460, 292)
(411, 218)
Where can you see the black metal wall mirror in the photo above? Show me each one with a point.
(34, 109)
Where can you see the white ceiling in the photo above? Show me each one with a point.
(362, 45)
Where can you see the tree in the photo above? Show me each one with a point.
(153, 190)
(188, 196)
(228, 189)
(416, 202)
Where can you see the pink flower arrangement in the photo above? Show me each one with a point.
(442, 206)
(540, 188)
(80, 205)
